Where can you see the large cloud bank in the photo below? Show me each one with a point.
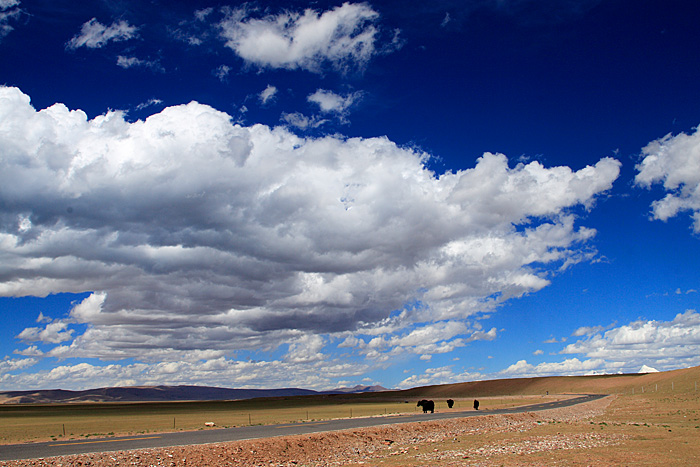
(202, 237)
(674, 162)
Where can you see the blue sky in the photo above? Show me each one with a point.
(324, 194)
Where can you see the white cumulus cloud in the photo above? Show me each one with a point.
(328, 101)
(645, 344)
(54, 333)
(341, 36)
(440, 375)
(31, 351)
(215, 371)
(12, 364)
(434, 338)
(195, 233)
(569, 367)
(673, 161)
(661, 344)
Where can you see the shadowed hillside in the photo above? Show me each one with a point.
(161, 394)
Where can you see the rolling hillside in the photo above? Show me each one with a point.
(686, 380)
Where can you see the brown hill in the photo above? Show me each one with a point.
(684, 379)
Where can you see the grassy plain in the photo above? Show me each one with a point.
(39, 422)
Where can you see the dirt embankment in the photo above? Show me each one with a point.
(404, 444)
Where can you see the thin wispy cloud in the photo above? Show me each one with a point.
(303, 122)
(7, 4)
(150, 103)
(267, 94)
(9, 14)
(222, 72)
(134, 62)
(95, 35)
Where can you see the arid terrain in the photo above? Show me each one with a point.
(654, 424)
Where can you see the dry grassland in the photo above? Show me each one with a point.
(651, 420)
(34, 423)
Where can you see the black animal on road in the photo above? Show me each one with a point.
(450, 403)
(476, 404)
(427, 406)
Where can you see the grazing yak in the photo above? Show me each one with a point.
(476, 404)
(450, 403)
(427, 405)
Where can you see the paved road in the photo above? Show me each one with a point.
(57, 448)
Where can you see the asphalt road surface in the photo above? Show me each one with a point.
(63, 448)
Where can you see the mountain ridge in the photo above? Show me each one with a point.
(163, 394)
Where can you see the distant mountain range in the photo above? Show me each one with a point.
(683, 379)
(162, 394)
